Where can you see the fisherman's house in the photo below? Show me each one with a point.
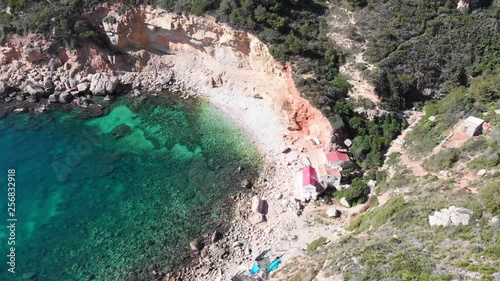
(471, 126)
(308, 186)
(336, 158)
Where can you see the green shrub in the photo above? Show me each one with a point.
(340, 82)
(357, 193)
(490, 195)
(314, 245)
(378, 216)
(442, 160)
(483, 162)
(394, 159)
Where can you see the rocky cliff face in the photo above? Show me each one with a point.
(205, 57)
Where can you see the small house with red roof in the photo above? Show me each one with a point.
(308, 186)
(336, 158)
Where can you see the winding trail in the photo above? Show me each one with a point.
(414, 166)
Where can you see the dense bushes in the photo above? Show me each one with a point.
(372, 138)
(423, 48)
(357, 193)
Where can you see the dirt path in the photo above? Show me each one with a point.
(341, 21)
(415, 166)
(397, 147)
(360, 86)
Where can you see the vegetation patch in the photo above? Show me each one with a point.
(442, 160)
(314, 245)
(490, 195)
(357, 193)
(377, 217)
(459, 104)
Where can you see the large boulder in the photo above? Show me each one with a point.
(82, 87)
(333, 213)
(3, 87)
(102, 84)
(33, 53)
(196, 244)
(7, 54)
(54, 64)
(344, 202)
(65, 97)
(257, 218)
(54, 98)
(466, 5)
(257, 205)
(450, 216)
(245, 183)
(216, 236)
(20, 110)
(35, 90)
(480, 173)
(48, 85)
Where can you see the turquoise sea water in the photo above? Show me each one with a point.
(99, 199)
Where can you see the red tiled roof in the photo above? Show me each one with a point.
(309, 176)
(336, 156)
(332, 171)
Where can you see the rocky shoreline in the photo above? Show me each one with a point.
(194, 57)
(36, 89)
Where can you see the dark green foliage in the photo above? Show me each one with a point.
(373, 138)
(427, 47)
(339, 82)
(357, 3)
(349, 168)
(377, 175)
(357, 193)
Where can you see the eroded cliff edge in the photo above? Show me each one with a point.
(155, 50)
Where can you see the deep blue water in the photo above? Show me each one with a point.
(98, 199)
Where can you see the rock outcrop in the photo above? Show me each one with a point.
(33, 53)
(102, 84)
(450, 216)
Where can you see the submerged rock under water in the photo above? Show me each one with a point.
(105, 197)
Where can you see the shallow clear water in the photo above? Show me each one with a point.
(98, 199)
